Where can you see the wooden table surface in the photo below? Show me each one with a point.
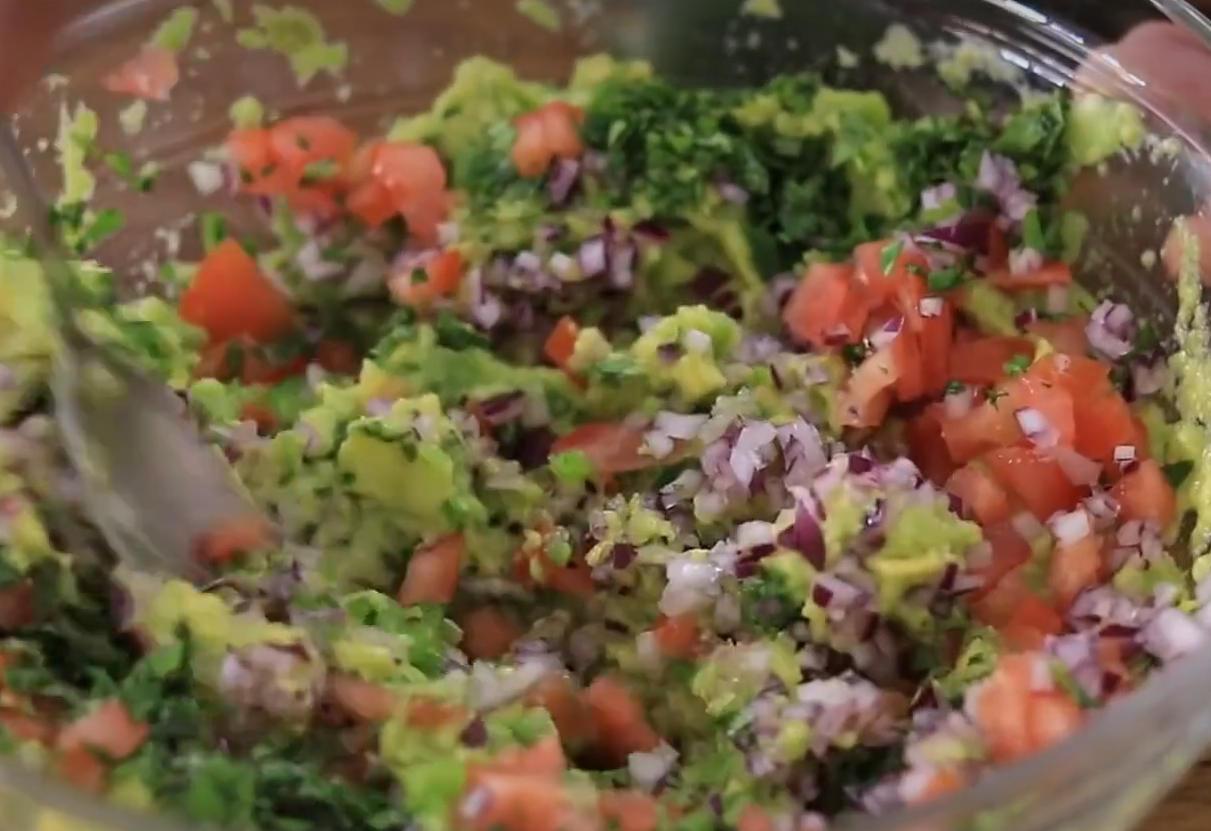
(1188, 808)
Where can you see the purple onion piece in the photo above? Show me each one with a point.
(562, 181)
(503, 408)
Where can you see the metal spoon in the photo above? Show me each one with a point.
(151, 484)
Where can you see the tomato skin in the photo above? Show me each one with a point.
(1074, 568)
(150, 75)
(1066, 336)
(611, 448)
(981, 494)
(561, 343)
(338, 357)
(981, 362)
(926, 447)
(443, 272)
(1049, 274)
(622, 726)
(433, 572)
(828, 307)
(1145, 494)
(1036, 480)
(230, 298)
(548, 133)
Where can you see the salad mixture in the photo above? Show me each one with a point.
(649, 458)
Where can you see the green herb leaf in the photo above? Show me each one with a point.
(214, 230)
(572, 467)
(1178, 472)
(889, 256)
(1016, 365)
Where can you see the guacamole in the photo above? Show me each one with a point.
(647, 458)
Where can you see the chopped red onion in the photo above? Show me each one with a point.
(731, 192)
(939, 196)
(649, 769)
(1036, 427)
(931, 306)
(1071, 527)
(697, 341)
(503, 408)
(1023, 260)
(806, 534)
(1148, 378)
(883, 334)
(562, 181)
(946, 244)
(999, 176)
(833, 594)
(1171, 634)
(1109, 330)
(750, 452)
(592, 257)
(958, 402)
(679, 426)
(562, 265)
(1026, 317)
(311, 262)
(622, 255)
(692, 585)
(207, 177)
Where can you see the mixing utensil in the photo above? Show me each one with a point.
(152, 485)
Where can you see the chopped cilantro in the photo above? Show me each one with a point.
(1177, 472)
(1016, 365)
(889, 256)
(945, 279)
(214, 229)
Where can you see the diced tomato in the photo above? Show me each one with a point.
(1145, 494)
(415, 178)
(1052, 402)
(1000, 714)
(243, 360)
(1053, 717)
(82, 769)
(1074, 568)
(558, 694)
(109, 729)
(678, 636)
(865, 400)
(981, 494)
(433, 572)
(1030, 624)
(981, 362)
(231, 298)
(941, 782)
(561, 343)
(1075, 373)
(998, 248)
(548, 133)
(237, 537)
(926, 447)
(1009, 553)
(1104, 424)
(1049, 274)
(628, 810)
(1066, 335)
(892, 273)
(371, 202)
(622, 727)
(935, 346)
(265, 419)
(338, 357)
(521, 802)
(438, 276)
(150, 75)
(428, 713)
(754, 818)
(250, 151)
(27, 727)
(307, 139)
(16, 608)
(1037, 481)
(988, 425)
(610, 448)
(543, 758)
(362, 699)
(828, 307)
(910, 378)
(574, 580)
(488, 633)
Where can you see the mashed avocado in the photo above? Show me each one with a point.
(628, 451)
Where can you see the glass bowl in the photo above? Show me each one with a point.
(1133, 752)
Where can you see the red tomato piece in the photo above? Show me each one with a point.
(1145, 494)
(436, 276)
(150, 75)
(231, 298)
(1049, 274)
(1037, 481)
(828, 307)
(981, 362)
(981, 494)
